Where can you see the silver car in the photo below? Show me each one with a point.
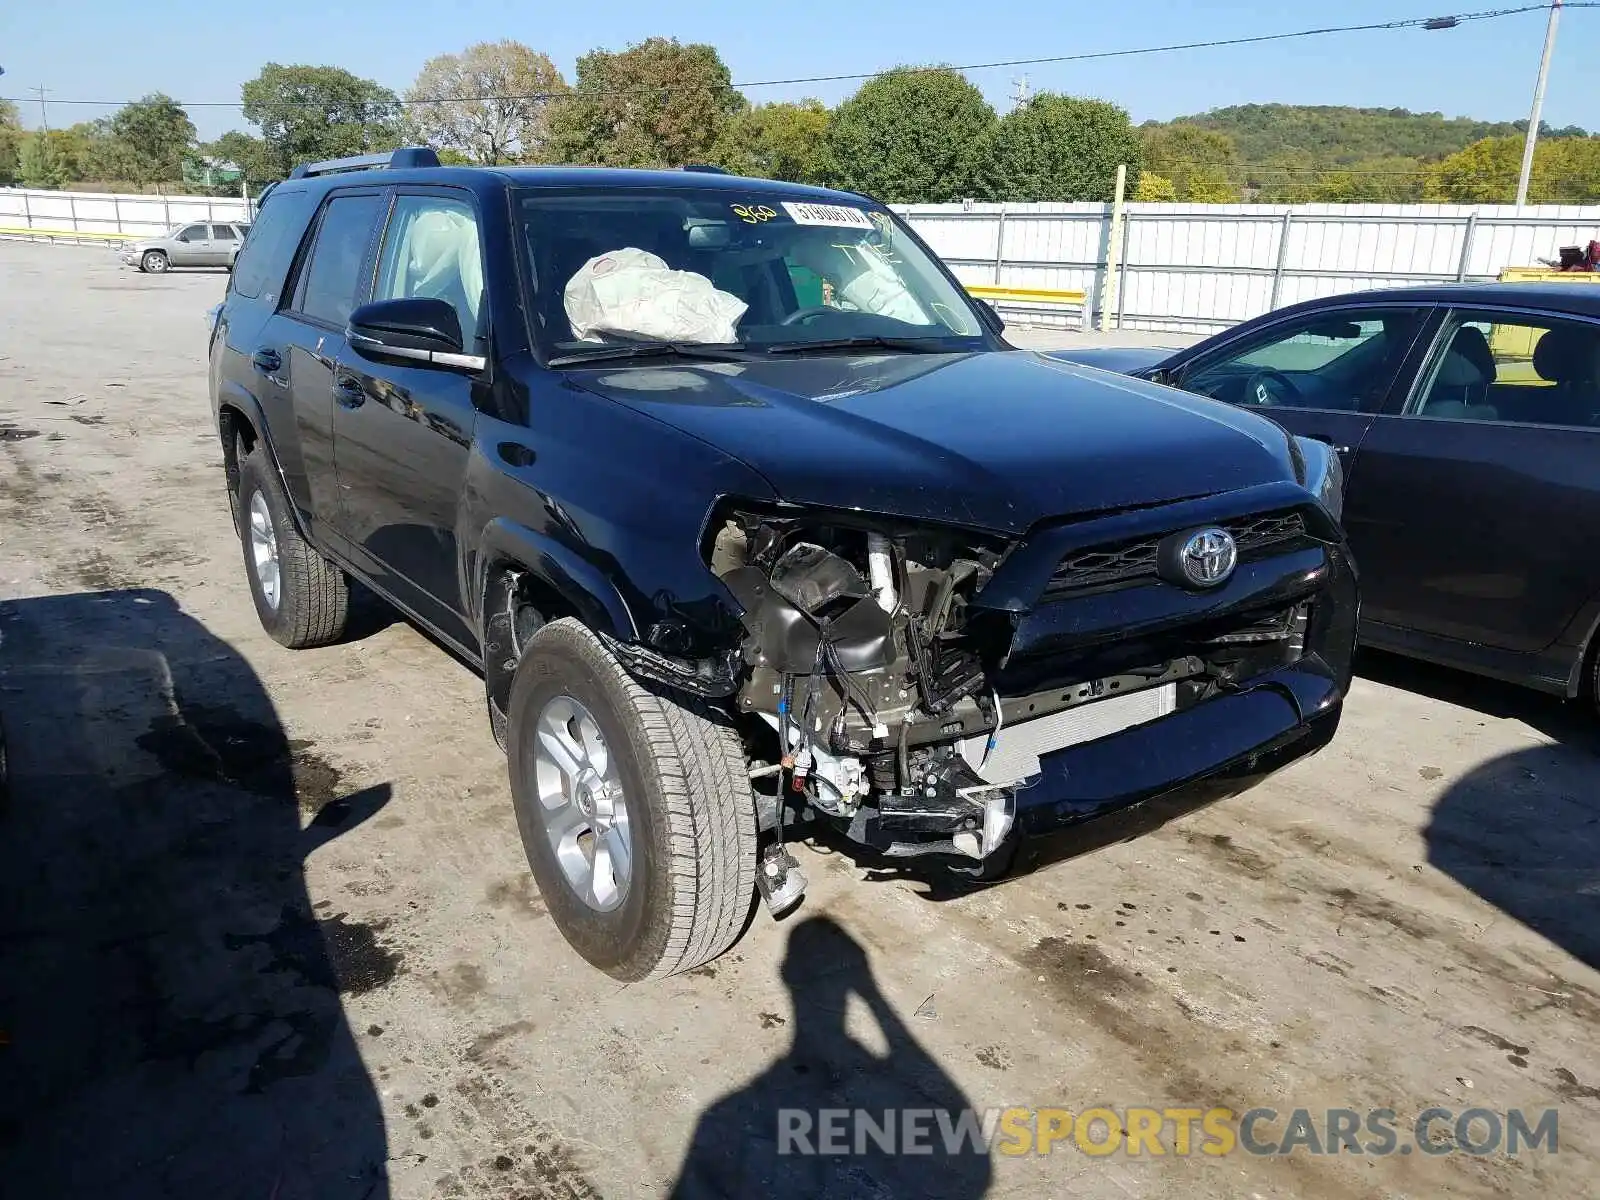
(198, 244)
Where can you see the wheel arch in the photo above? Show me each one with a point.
(521, 572)
(241, 427)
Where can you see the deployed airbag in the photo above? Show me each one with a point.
(632, 293)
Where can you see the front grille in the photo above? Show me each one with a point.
(1130, 562)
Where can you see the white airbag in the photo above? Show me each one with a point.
(632, 293)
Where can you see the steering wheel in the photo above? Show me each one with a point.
(1267, 387)
(801, 315)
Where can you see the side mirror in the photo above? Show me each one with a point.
(417, 331)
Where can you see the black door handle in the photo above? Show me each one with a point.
(516, 454)
(348, 391)
(266, 360)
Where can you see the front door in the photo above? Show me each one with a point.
(1479, 514)
(191, 246)
(1322, 375)
(402, 434)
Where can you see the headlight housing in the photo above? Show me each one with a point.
(1324, 476)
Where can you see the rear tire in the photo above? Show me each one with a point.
(154, 262)
(303, 600)
(677, 771)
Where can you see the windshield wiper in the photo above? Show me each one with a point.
(914, 345)
(706, 351)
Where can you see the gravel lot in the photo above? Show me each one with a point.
(266, 928)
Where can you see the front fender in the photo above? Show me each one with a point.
(579, 583)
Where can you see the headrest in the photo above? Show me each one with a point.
(1568, 355)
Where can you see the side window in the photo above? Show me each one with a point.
(223, 233)
(431, 249)
(332, 276)
(1341, 361)
(269, 244)
(194, 233)
(1520, 369)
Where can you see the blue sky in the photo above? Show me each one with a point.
(106, 50)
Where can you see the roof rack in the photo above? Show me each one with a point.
(706, 169)
(407, 157)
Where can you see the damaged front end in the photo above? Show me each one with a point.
(904, 683)
(873, 670)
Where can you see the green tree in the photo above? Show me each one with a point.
(1564, 170)
(915, 134)
(660, 103)
(250, 154)
(1061, 148)
(157, 134)
(97, 154)
(778, 141)
(1154, 189)
(1203, 165)
(41, 163)
(11, 136)
(505, 118)
(311, 113)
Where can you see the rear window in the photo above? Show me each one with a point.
(269, 244)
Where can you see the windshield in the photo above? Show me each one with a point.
(762, 272)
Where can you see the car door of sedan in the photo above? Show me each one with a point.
(1323, 374)
(1475, 511)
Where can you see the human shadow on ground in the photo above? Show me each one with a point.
(1523, 832)
(170, 1002)
(755, 1141)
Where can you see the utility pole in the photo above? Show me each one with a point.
(1532, 138)
(1019, 93)
(44, 113)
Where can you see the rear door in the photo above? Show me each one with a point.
(1480, 491)
(1324, 374)
(224, 244)
(303, 341)
(402, 434)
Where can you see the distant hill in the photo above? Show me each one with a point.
(1336, 135)
(1298, 153)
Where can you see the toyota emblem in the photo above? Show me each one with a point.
(1208, 557)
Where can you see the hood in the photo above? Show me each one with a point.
(1124, 360)
(994, 440)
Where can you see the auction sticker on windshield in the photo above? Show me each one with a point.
(827, 214)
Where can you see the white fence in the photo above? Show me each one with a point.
(1183, 267)
(96, 216)
(1177, 267)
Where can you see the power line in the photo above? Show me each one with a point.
(1427, 23)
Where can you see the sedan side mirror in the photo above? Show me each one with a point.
(416, 331)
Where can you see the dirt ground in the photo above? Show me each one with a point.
(266, 928)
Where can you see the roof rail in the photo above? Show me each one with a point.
(706, 168)
(397, 160)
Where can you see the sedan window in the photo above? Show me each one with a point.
(1343, 360)
(1519, 369)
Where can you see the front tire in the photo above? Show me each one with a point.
(635, 810)
(303, 600)
(154, 262)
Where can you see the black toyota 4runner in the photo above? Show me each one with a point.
(753, 523)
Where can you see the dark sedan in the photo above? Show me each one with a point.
(1468, 421)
